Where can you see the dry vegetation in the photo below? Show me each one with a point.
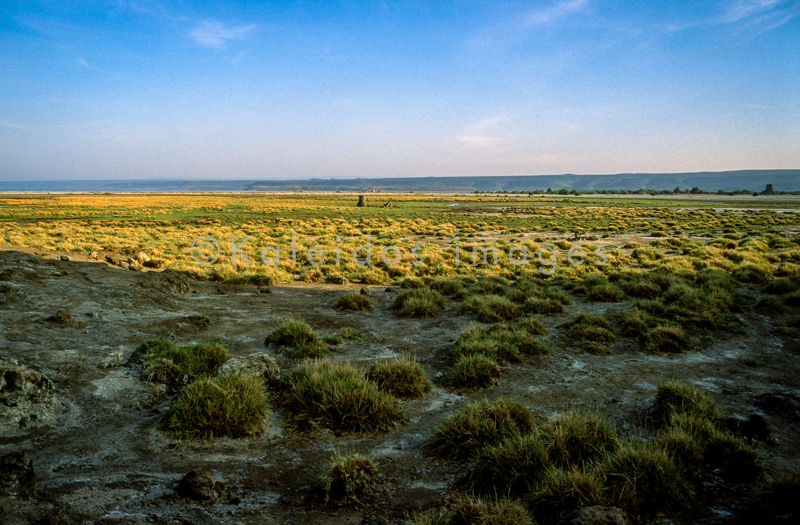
(686, 279)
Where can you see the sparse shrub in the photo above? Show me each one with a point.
(491, 308)
(311, 349)
(667, 340)
(292, 332)
(169, 363)
(636, 322)
(412, 282)
(673, 398)
(338, 395)
(511, 466)
(350, 479)
(474, 371)
(770, 304)
(471, 510)
(451, 286)
(479, 424)
(606, 293)
(349, 334)
(563, 245)
(419, 302)
(645, 480)
(732, 458)
(577, 437)
(591, 327)
(532, 326)
(402, 377)
(782, 286)
(232, 405)
(501, 340)
(564, 490)
(354, 301)
(753, 273)
(543, 305)
(773, 503)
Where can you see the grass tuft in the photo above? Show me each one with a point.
(419, 302)
(338, 395)
(402, 377)
(354, 301)
(232, 405)
(480, 423)
(350, 479)
(474, 371)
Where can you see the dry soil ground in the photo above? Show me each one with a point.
(100, 458)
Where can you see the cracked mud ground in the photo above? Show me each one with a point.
(99, 456)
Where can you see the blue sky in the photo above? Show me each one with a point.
(245, 90)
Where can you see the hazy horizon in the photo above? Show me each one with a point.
(164, 90)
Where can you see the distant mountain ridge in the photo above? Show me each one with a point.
(752, 180)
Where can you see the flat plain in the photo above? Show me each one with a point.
(636, 353)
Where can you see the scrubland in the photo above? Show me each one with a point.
(580, 279)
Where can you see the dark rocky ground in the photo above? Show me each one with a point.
(98, 456)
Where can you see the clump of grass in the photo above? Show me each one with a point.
(501, 340)
(511, 466)
(597, 288)
(471, 510)
(412, 283)
(479, 424)
(169, 363)
(491, 308)
(636, 322)
(563, 490)
(311, 349)
(771, 304)
(402, 377)
(775, 502)
(645, 480)
(354, 301)
(667, 340)
(783, 286)
(451, 286)
(474, 371)
(350, 479)
(540, 299)
(531, 326)
(577, 437)
(231, 404)
(752, 362)
(753, 273)
(292, 332)
(338, 395)
(674, 398)
(419, 302)
(590, 327)
(350, 334)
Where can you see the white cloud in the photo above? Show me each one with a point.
(761, 14)
(555, 12)
(211, 33)
(484, 134)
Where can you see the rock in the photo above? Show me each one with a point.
(63, 257)
(173, 281)
(113, 359)
(27, 398)
(364, 292)
(259, 364)
(17, 477)
(95, 255)
(155, 263)
(9, 294)
(598, 515)
(756, 427)
(337, 280)
(64, 318)
(199, 484)
(141, 257)
(785, 405)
